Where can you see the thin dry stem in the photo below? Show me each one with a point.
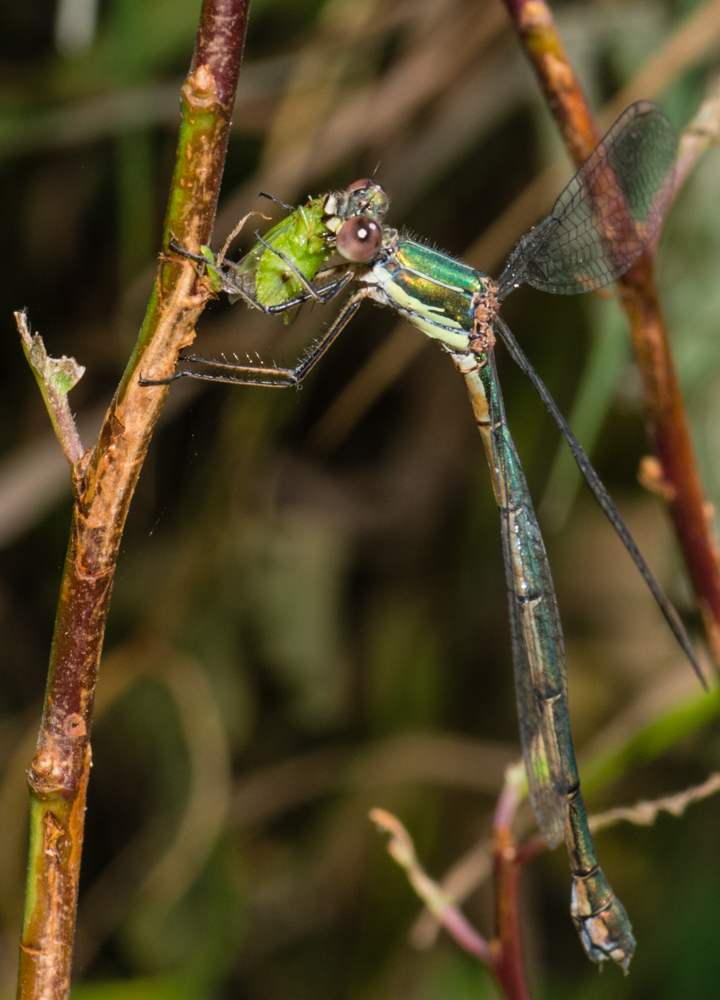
(503, 955)
(644, 813)
(697, 137)
(402, 850)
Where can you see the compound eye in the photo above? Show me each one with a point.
(359, 239)
(358, 185)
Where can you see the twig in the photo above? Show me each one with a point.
(697, 137)
(56, 377)
(104, 482)
(644, 813)
(672, 708)
(460, 881)
(534, 23)
(666, 418)
(401, 849)
(503, 955)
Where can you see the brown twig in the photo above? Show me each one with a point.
(466, 875)
(104, 480)
(697, 137)
(666, 418)
(402, 850)
(645, 813)
(538, 33)
(503, 954)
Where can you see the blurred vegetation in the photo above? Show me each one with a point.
(309, 616)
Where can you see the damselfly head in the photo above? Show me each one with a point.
(363, 197)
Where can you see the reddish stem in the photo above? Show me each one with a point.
(534, 23)
(667, 425)
(506, 948)
(666, 417)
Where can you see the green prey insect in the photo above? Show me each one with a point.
(277, 273)
(599, 226)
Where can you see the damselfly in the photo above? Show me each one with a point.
(600, 224)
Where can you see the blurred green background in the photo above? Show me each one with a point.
(309, 616)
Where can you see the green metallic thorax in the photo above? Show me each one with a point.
(444, 270)
(431, 289)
